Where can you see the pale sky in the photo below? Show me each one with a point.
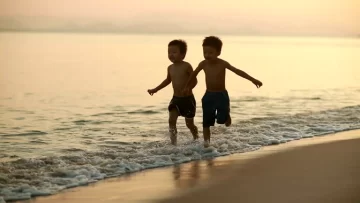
(264, 16)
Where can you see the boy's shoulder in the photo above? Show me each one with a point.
(202, 63)
(183, 64)
(186, 63)
(219, 61)
(223, 62)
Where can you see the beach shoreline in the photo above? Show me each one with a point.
(170, 184)
(321, 172)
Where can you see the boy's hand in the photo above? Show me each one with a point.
(152, 91)
(257, 83)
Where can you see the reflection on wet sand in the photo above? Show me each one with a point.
(188, 175)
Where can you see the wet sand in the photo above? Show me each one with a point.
(323, 173)
(321, 169)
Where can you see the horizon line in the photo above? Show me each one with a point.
(80, 31)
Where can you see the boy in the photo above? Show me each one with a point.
(182, 104)
(215, 102)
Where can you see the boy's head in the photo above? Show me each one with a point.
(211, 47)
(177, 50)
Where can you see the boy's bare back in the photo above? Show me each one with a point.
(179, 74)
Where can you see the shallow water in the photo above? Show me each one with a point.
(74, 108)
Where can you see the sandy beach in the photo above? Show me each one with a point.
(319, 173)
(320, 169)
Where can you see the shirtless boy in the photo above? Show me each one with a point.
(182, 104)
(215, 102)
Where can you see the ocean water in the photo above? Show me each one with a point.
(74, 107)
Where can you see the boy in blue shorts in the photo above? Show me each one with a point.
(215, 102)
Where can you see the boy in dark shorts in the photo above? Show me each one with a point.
(182, 104)
(215, 102)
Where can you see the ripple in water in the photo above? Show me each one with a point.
(25, 178)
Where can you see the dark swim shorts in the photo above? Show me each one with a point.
(215, 105)
(186, 106)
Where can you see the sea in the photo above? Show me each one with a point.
(74, 107)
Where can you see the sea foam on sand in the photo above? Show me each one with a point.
(26, 178)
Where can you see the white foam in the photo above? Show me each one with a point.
(25, 178)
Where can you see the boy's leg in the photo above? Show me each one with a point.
(223, 113)
(192, 127)
(223, 117)
(207, 133)
(228, 121)
(188, 110)
(173, 116)
(209, 112)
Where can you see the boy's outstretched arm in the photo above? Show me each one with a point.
(164, 83)
(241, 73)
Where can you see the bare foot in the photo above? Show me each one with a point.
(195, 133)
(173, 136)
(228, 121)
(173, 139)
(206, 143)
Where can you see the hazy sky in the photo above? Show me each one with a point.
(267, 16)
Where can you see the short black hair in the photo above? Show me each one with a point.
(181, 44)
(213, 41)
